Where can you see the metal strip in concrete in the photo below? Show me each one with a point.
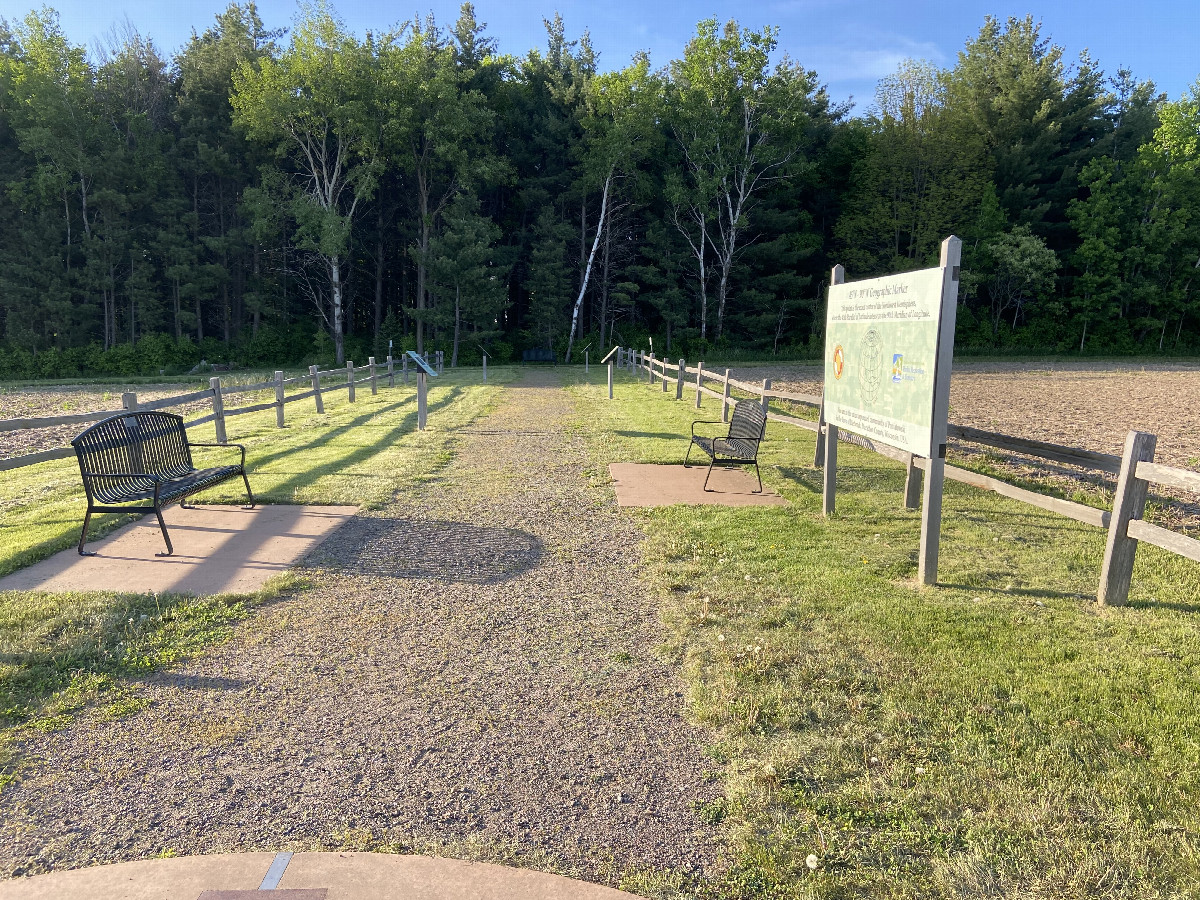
(275, 873)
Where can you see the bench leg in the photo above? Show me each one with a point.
(83, 534)
(709, 475)
(759, 474)
(249, 493)
(687, 455)
(166, 537)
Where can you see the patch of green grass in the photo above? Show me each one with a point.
(998, 735)
(355, 454)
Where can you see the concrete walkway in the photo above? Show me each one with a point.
(304, 876)
(218, 550)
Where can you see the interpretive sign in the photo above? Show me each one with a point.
(428, 369)
(884, 355)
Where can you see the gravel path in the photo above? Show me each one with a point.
(474, 671)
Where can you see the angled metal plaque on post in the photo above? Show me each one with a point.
(428, 369)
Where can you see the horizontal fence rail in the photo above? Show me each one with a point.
(321, 382)
(1124, 522)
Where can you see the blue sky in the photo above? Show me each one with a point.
(851, 43)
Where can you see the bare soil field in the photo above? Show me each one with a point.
(67, 400)
(1092, 405)
(1080, 404)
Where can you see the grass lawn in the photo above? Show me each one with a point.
(997, 736)
(61, 652)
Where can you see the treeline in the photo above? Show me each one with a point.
(269, 197)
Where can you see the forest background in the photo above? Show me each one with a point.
(281, 197)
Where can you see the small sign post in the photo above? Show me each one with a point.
(424, 370)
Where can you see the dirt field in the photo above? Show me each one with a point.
(1089, 405)
(66, 400)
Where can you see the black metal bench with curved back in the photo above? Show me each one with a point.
(144, 457)
(740, 446)
(538, 355)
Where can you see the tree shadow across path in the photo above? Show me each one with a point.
(445, 551)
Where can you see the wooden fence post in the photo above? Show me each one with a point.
(404, 365)
(391, 371)
(315, 373)
(725, 399)
(664, 375)
(651, 368)
(350, 378)
(912, 484)
(485, 368)
(819, 453)
(218, 403)
(765, 388)
(441, 360)
(610, 373)
(371, 363)
(421, 405)
(585, 362)
(129, 401)
(827, 452)
(829, 484)
(1129, 503)
(935, 468)
(699, 381)
(278, 399)
(679, 381)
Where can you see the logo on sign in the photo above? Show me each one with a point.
(897, 368)
(839, 361)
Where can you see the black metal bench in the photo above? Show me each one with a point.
(740, 446)
(144, 457)
(538, 355)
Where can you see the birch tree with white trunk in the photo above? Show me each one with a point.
(620, 119)
(315, 104)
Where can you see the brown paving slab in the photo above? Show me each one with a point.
(340, 876)
(218, 549)
(639, 484)
(184, 878)
(382, 876)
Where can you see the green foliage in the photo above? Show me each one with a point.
(250, 188)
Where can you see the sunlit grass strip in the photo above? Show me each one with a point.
(999, 735)
(356, 453)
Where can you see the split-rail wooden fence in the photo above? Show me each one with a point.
(348, 379)
(1135, 468)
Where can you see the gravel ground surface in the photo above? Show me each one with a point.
(490, 691)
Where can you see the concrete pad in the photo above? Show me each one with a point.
(338, 876)
(218, 549)
(638, 484)
(147, 879)
(376, 876)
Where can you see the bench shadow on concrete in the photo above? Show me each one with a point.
(439, 550)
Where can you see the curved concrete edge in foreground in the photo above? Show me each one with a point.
(345, 876)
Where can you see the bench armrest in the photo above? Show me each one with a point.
(703, 422)
(241, 447)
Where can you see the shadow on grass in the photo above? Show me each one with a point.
(663, 435)
(1017, 592)
(288, 487)
(440, 550)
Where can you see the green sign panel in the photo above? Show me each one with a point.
(881, 358)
